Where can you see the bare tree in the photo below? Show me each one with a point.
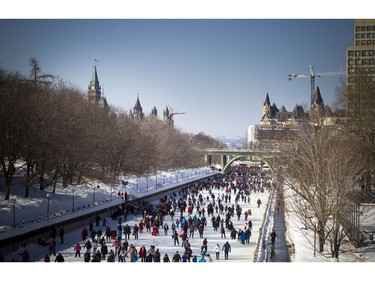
(321, 170)
(361, 120)
(18, 117)
(121, 143)
(36, 74)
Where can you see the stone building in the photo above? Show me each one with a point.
(279, 126)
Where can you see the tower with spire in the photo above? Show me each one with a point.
(269, 111)
(137, 112)
(318, 107)
(95, 95)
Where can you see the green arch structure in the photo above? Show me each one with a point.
(229, 163)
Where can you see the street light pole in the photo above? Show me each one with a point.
(73, 190)
(48, 195)
(14, 212)
(93, 197)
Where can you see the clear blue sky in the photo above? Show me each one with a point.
(218, 71)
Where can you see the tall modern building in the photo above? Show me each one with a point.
(360, 58)
(360, 65)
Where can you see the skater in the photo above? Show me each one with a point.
(222, 232)
(25, 256)
(209, 258)
(176, 257)
(77, 250)
(52, 246)
(59, 258)
(259, 202)
(273, 236)
(204, 245)
(157, 256)
(226, 248)
(47, 258)
(166, 229)
(133, 253)
(84, 233)
(61, 234)
(166, 258)
(86, 257)
(175, 238)
(88, 246)
(217, 251)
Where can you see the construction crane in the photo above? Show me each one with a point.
(169, 113)
(312, 75)
(174, 113)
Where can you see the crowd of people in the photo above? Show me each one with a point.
(183, 215)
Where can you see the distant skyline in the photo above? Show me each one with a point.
(218, 71)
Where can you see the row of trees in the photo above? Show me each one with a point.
(50, 131)
(330, 163)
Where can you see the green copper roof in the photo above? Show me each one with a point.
(94, 78)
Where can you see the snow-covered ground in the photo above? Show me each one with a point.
(236, 267)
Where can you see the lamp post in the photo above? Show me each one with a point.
(48, 195)
(73, 190)
(14, 211)
(93, 194)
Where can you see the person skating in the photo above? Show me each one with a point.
(157, 256)
(61, 234)
(273, 236)
(59, 258)
(209, 258)
(166, 258)
(47, 258)
(25, 256)
(77, 250)
(226, 248)
(175, 238)
(217, 251)
(176, 257)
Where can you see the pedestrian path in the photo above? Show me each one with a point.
(281, 249)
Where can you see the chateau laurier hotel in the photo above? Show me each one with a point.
(276, 124)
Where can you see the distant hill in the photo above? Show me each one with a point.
(232, 141)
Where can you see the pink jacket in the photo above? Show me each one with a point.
(77, 248)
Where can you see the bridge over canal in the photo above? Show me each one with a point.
(228, 156)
